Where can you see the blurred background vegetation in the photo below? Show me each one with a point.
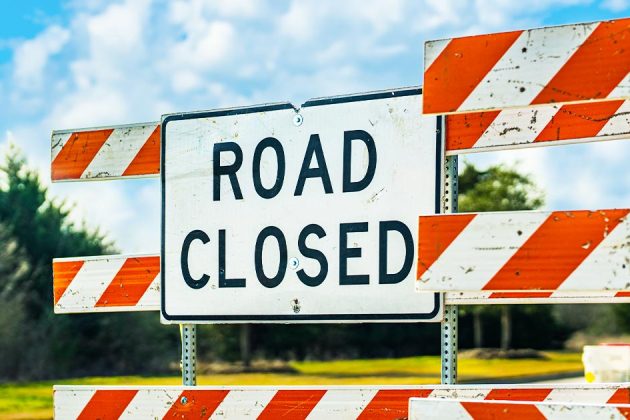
(35, 344)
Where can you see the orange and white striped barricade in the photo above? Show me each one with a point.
(298, 402)
(132, 151)
(566, 84)
(525, 252)
(544, 125)
(546, 86)
(461, 409)
(562, 64)
(113, 283)
(125, 151)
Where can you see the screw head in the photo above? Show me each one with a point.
(184, 400)
(298, 119)
(294, 263)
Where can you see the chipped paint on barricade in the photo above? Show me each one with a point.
(113, 283)
(126, 151)
(525, 252)
(561, 64)
(298, 402)
(546, 125)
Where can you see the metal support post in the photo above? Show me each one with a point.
(449, 345)
(189, 354)
(449, 325)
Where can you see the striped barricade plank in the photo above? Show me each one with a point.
(525, 251)
(106, 284)
(105, 153)
(537, 126)
(561, 64)
(341, 402)
(461, 409)
(519, 297)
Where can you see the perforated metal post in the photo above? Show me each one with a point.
(189, 354)
(449, 325)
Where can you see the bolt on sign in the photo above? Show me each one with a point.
(272, 213)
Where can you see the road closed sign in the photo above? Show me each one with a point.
(277, 214)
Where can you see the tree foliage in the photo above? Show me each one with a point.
(497, 188)
(34, 343)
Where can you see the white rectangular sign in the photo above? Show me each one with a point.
(272, 214)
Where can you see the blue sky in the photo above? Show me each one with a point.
(90, 63)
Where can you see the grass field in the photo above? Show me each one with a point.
(34, 400)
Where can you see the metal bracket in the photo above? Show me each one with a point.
(189, 354)
(449, 324)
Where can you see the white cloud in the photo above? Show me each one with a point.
(90, 107)
(32, 56)
(236, 8)
(114, 43)
(616, 5)
(299, 22)
(185, 80)
(204, 48)
(130, 217)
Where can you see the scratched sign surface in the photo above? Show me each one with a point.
(277, 214)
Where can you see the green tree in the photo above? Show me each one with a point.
(498, 188)
(621, 314)
(13, 267)
(35, 229)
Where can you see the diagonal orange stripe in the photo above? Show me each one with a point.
(292, 404)
(621, 396)
(596, 67)
(497, 411)
(519, 295)
(63, 274)
(196, 404)
(555, 250)
(391, 403)
(622, 294)
(131, 281)
(107, 405)
(579, 121)
(531, 394)
(147, 161)
(460, 67)
(435, 234)
(77, 153)
(464, 130)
